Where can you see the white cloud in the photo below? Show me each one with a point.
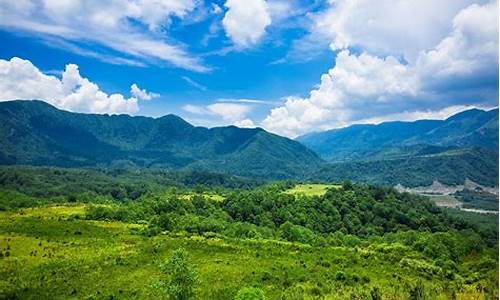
(245, 21)
(20, 79)
(222, 113)
(470, 50)
(246, 123)
(344, 93)
(232, 112)
(195, 109)
(367, 87)
(135, 29)
(387, 27)
(142, 94)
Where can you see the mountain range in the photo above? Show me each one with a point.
(471, 128)
(464, 146)
(36, 133)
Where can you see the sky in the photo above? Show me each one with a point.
(288, 66)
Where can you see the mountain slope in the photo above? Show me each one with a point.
(451, 167)
(361, 142)
(34, 132)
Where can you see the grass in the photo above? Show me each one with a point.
(55, 254)
(311, 189)
(445, 200)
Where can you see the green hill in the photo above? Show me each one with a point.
(36, 133)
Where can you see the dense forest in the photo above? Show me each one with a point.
(102, 234)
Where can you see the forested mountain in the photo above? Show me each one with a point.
(36, 133)
(471, 128)
(451, 167)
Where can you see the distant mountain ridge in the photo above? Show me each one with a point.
(471, 128)
(36, 133)
(465, 146)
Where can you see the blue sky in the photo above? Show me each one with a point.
(289, 66)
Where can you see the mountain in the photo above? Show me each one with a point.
(471, 128)
(451, 167)
(36, 133)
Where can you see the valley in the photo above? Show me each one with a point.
(121, 207)
(104, 248)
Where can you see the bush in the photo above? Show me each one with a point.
(250, 293)
(340, 276)
(296, 233)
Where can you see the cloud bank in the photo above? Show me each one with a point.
(20, 79)
(461, 67)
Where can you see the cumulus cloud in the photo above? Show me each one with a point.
(245, 21)
(470, 50)
(387, 27)
(142, 94)
(20, 79)
(367, 86)
(133, 29)
(344, 93)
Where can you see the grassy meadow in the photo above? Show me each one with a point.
(311, 189)
(276, 241)
(54, 253)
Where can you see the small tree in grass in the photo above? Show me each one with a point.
(182, 277)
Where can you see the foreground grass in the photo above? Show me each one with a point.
(53, 253)
(310, 190)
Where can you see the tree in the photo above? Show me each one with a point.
(182, 276)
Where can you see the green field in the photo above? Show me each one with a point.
(72, 235)
(310, 190)
(54, 254)
(445, 200)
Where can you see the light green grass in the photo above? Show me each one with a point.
(311, 189)
(445, 200)
(54, 254)
(210, 196)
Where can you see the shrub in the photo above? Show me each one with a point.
(250, 293)
(182, 278)
(340, 276)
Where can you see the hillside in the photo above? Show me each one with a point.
(451, 167)
(472, 128)
(36, 133)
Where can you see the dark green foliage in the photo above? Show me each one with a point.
(478, 199)
(452, 167)
(33, 132)
(28, 186)
(295, 233)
